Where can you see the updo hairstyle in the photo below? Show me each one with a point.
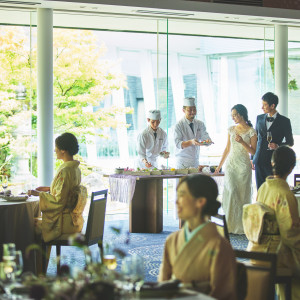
(283, 160)
(242, 111)
(203, 186)
(68, 142)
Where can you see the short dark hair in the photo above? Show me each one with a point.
(283, 159)
(270, 98)
(203, 186)
(68, 142)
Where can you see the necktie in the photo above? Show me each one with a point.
(155, 135)
(270, 119)
(192, 126)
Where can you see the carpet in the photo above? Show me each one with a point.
(148, 245)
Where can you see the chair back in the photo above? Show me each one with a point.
(296, 179)
(261, 275)
(96, 218)
(220, 221)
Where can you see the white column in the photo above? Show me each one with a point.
(281, 67)
(45, 95)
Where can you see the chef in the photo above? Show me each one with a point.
(152, 142)
(188, 134)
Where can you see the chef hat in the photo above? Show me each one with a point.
(189, 101)
(154, 114)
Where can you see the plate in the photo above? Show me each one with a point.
(15, 198)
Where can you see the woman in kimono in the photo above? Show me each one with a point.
(62, 203)
(277, 196)
(197, 254)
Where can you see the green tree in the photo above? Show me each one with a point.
(82, 79)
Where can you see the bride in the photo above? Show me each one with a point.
(242, 140)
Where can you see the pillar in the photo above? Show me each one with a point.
(45, 95)
(281, 67)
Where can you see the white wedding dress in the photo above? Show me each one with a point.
(237, 181)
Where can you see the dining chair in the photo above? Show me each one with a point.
(220, 221)
(94, 228)
(260, 276)
(296, 179)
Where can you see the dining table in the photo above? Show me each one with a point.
(17, 226)
(145, 197)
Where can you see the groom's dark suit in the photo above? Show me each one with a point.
(280, 129)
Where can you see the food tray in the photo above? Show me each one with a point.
(155, 172)
(167, 172)
(182, 171)
(193, 170)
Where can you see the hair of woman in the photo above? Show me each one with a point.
(283, 160)
(203, 186)
(242, 111)
(68, 142)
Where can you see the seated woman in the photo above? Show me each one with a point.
(276, 196)
(63, 202)
(197, 253)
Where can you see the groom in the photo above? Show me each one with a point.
(281, 131)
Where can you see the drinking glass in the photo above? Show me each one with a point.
(4, 182)
(133, 270)
(109, 257)
(19, 263)
(269, 138)
(9, 259)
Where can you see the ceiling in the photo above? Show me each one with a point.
(184, 17)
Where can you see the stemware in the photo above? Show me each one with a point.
(269, 138)
(133, 270)
(9, 260)
(4, 182)
(19, 263)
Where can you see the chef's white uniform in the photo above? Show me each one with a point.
(188, 157)
(149, 147)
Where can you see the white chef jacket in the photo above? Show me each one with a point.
(149, 147)
(188, 157)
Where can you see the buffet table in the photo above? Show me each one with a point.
(145, 197)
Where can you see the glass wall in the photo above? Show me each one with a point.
(18, 104)
(294, 90)
(107, 78)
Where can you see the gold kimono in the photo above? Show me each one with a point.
(283, 237)
(205, 258)
(62, 208)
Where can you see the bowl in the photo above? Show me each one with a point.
(119, 170)
(213, 168)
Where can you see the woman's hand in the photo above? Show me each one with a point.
(239, 139)
(33, 193)
(43, 189)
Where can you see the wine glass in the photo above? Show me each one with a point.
(269, 138)
(19, 263)
(9, 257)
(133, 269)
(4, 182)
